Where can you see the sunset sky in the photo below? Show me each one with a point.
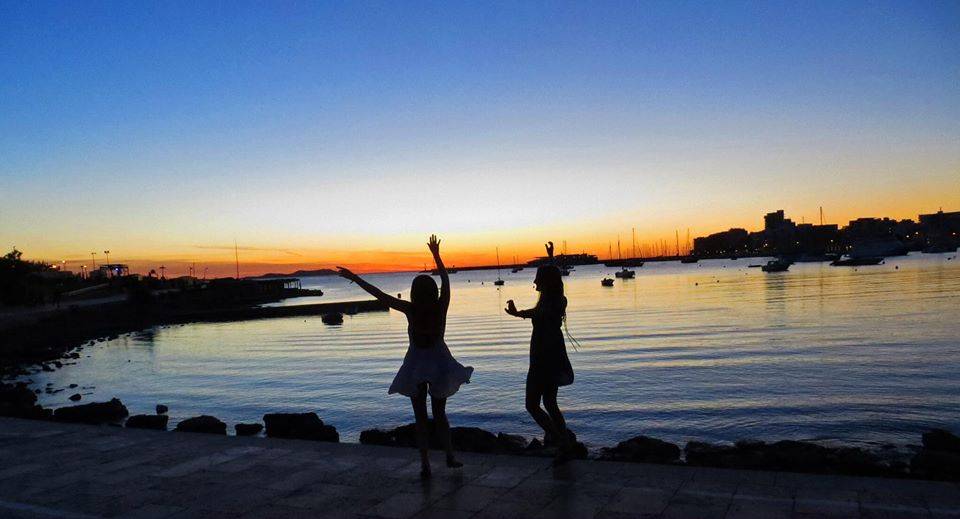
(320, 133)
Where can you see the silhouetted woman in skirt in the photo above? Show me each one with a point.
(428, 366)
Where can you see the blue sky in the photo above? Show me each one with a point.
(343, 125)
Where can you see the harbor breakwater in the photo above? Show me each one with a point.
(54, 339)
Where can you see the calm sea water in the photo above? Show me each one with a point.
(711, 351)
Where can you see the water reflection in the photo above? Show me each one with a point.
(714, 351)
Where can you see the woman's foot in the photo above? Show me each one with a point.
(453, 463)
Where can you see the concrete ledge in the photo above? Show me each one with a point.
(64, 470)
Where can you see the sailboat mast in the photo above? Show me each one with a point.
(236, 256)
(633, 242)
(498, 262)
(677, 235)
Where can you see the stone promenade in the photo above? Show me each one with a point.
(76, 471)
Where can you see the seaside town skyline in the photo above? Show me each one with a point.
(940, 228)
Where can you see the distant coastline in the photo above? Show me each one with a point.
(298, 274)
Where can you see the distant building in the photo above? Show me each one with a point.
(940, 231)
(110, 271)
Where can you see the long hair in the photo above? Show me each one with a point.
(425, 318)
(550, 283)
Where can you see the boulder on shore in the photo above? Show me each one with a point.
(75, 397)
(162, 409)
(464, 439)
(941, 440)
(18, 401)
(643, 449)
(788, 455)
(147, 421)
(301, 426)
(940, 456)
(93, 413)
(248, 429)
(202, 424)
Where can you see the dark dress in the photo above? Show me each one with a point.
(549, 364)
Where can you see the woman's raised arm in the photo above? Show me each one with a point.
(434, 246)
(392, 302)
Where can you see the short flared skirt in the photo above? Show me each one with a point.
(434, 366)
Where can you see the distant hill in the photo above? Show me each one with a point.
(301, 274)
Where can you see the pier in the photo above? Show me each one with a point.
(50, 469)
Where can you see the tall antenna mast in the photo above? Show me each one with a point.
(821, 215)
(236, 255)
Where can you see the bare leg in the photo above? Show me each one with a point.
(422, 426)
(534, 394)
(439, 407)
(550, 404)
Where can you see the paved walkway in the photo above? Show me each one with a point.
(59, 470)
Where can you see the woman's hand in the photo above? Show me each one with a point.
(549, 247)
(434, 245)
(511, 308)
(347, 274)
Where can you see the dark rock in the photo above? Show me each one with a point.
(378, 437)
(94, 413)
(72, 386)
(788, 455)
(934, 464)
(248, 429)
(148, 421)
(473, 439)
(941, 440)
(162, 409)
(57, 364)
(332, 318)
(512, 443)
(75, 397)
(643, 449)
(202, 424)
(303, 426)
(17, 395)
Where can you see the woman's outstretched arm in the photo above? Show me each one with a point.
(392, 302)
(434, 246)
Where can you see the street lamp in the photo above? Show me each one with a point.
(107, 253)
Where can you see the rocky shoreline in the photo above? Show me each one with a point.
(938, 458)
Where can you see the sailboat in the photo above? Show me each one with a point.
(499, 282)
(623, 273)
(516, 266)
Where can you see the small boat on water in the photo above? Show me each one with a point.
(776, 265)
(516, 266)
(499, 282)
(857, 262)
(755, 266)
(625, 273)
(606, 282)
(689, 259)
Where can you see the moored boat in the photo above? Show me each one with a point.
(776, 265)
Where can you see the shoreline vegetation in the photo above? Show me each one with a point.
(938, 458)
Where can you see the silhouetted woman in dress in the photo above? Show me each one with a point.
(428, 367)
(549, 365)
